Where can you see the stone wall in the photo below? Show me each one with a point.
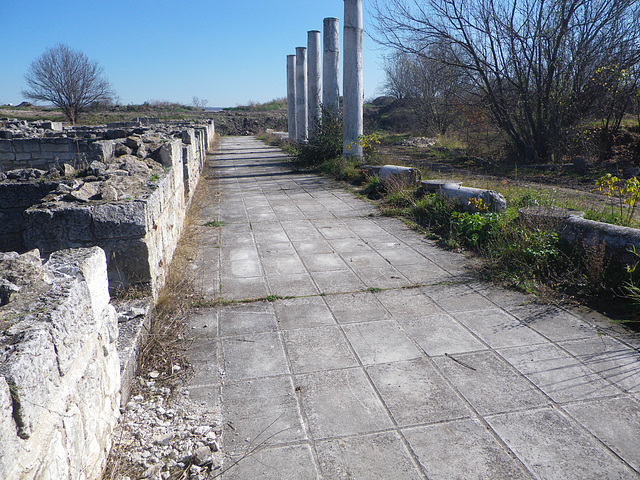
(41, 153)
(138, 226)
(619, 242)
(114, 223)
(15, 198)
(59, 368)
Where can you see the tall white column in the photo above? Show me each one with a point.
(331, 66)
(301, 94)
(313, 72)
(291, 96)
(353, 90)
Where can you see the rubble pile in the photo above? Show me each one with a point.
(13, 128)
(162, 435)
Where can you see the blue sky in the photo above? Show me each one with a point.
(225, 51)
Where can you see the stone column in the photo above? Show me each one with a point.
(301, 94)
(291, 96)
(314, 70)
(352, 89)
(331, 67)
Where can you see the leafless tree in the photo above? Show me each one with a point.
(432, 89)
(68, 79)
(534, 63)
(200, 103)
(398, 69)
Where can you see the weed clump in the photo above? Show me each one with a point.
(324, 145)
(528, 255)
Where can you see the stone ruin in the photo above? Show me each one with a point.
(59, 368)
(83, 212)
(124, 188)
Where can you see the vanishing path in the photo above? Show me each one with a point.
(389, 361)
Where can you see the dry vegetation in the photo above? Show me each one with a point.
(164, 357)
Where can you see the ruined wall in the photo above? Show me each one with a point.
(15, 198)
(60, 373)
(59, 368)
(132, 203)
(619, 242)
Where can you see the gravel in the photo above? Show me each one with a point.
(163, 434)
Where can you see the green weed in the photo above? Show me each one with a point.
(215, 223)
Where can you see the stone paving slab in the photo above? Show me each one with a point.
(345, 345)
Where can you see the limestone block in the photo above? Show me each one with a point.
(27, 145)
(74, 437)
(47, 157)
(120, 220)
(6, 146)
(60, 145)
(494, 200)
(171, 153)
(128, 263)
(188, 136)
(122, 149)
(11, 222)
(133, 142)
(7, 157)
(55, 126)
(24, 195)
(67, 170)
(28, 362)
(88, 191)
(141, 152)
(389, 174)
(69, 157)
(155, 205)
(59, 426)
(618, 240)
(108, 192)
(103, 150)
(50, 229)
(116, 133)
(78, 225)
(71, 320)
(8, 432)
(133, 165)
(88, 265)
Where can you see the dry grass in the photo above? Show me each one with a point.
(168, 342)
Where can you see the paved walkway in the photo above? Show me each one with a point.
(389, 361)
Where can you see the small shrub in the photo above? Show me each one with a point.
(474, 229)
(435, 213)
(341, 168)
(398, 192)
(373, 188)
(528, 199)
(325, 145)
(368, 144)
(624, 192)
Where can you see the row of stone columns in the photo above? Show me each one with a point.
(304, 74)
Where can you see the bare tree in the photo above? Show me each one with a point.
(432, 89)
(67, 79)
(398, 69)
(200, 103)
(533, 63)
